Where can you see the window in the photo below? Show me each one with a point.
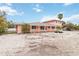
(42, 27)
(33, 27)
(53, 27)
(56, 21)
(48, 26)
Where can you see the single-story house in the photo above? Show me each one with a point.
(47, 26)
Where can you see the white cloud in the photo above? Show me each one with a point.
(9, 4)
(47, 18)
(37, 8)
(5, 4)
(73, 18)
(10, 11)
(37, 5)
(67, 4)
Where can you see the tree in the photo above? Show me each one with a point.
(3, 22)
(11, 24)
(60, 16)
(71, 26)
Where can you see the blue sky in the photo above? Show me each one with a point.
(37, 12)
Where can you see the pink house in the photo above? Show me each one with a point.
(47, 26)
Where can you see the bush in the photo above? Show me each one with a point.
(25, 28)
(58, 28)
(1, 31)
(71, 26)
(68, 29)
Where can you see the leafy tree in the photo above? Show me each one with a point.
(60, 16)
(71, 26)
(10, 24)
(3, 22)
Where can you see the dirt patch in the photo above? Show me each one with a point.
(40, 44)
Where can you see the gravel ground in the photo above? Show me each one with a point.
(40, 44)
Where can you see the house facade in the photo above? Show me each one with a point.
(47, 26)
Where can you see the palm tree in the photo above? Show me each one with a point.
(60, 16)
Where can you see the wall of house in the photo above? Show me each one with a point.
(38, 29)
(35, 30)
(18, 29)
(46, 28)
(50, 29)
(55, 23)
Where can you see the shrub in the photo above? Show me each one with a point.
(58, 28)
(25, 28)
(2, 30)
(71, 26)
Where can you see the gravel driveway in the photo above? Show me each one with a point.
(40, 44)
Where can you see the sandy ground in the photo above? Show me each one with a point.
(40, 44)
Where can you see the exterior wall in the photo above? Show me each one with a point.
(55, 23)
(46, 29)
(49, 29)
(38, 29)
(35, 30)
(18, 29)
